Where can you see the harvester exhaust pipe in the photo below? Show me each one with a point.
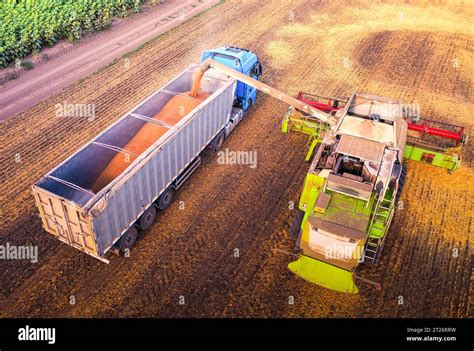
(210, 63)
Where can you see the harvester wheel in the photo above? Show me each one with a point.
(295, 227)
(147, 218)
(128, 239)
(165, 199)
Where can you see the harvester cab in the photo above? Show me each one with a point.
(243, 61)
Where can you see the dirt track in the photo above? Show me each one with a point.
(402, 51)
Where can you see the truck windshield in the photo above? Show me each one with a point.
(228, 57)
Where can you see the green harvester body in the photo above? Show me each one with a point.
(356, 220)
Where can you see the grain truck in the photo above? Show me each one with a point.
(98, 218)
(99, 198)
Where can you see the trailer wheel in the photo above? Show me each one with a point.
(295, 227)
(147, 218)
(165, 200)
(128, 239)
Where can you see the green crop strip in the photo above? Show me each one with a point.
(28, 25)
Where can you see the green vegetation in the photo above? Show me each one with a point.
(28, 25)
(27, 65)
(11, 75)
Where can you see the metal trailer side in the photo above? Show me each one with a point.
(93, 223)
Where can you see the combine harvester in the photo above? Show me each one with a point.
(355, 178)
(98, 199)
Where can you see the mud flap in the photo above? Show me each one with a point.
(324, 274)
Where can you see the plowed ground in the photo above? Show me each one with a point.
(407, 50)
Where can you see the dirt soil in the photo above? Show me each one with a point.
(408, 49)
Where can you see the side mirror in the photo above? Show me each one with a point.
(259, 69)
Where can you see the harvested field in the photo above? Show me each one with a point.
(408, 49)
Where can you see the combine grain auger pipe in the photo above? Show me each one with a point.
(323, 117)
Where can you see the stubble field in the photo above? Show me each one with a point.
(409, 50)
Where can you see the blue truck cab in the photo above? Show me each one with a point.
(244, 61)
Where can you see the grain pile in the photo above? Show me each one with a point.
(174, 110)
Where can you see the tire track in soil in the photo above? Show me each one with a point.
(252, 218)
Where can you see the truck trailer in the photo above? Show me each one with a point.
(99, 221)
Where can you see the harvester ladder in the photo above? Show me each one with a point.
(371, 250)
(383, 214)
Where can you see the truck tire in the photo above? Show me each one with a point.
(147, 218)
(165, 199)
(128, 239)
(295, 226)
(249, 103)
(219, 141)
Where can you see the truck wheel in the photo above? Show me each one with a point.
(218, 142)
(165, 199)
(147, 218)
(128, 239)
(249, 103)
(295, 227)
